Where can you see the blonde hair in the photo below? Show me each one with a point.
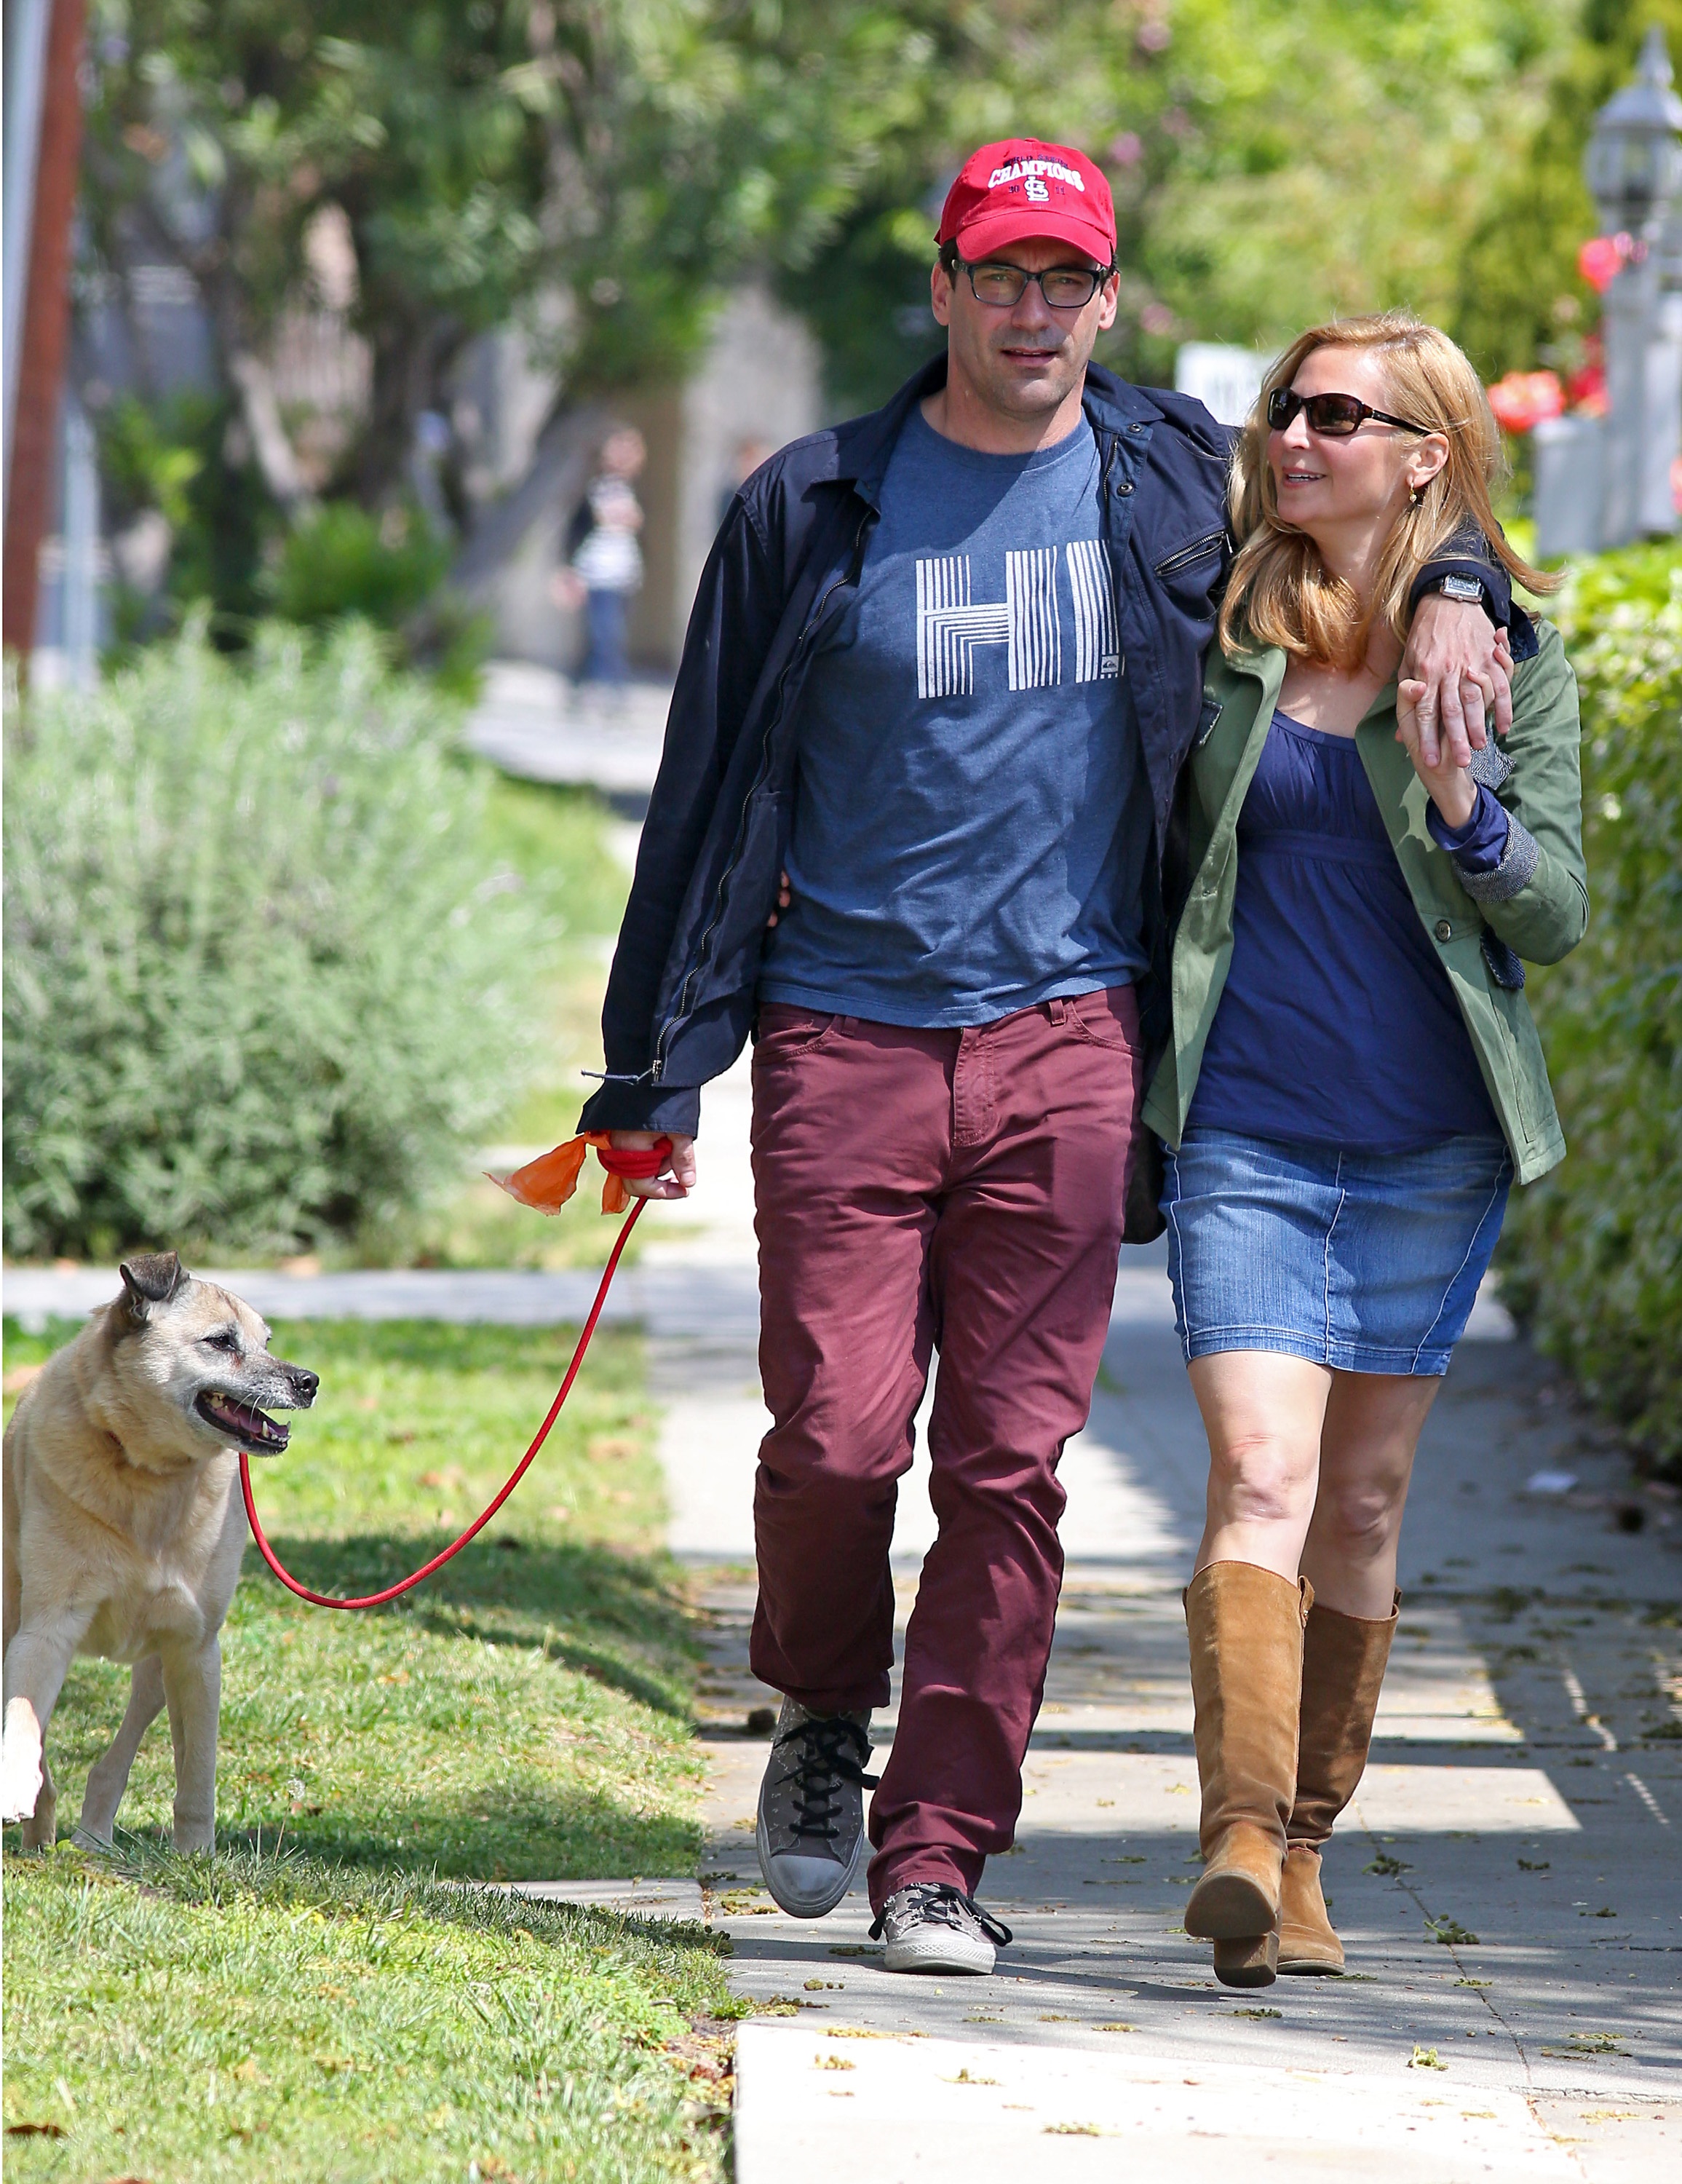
(1280, 592)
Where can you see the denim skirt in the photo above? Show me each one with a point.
(1367, 1261)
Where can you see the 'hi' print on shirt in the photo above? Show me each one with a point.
(952, 625)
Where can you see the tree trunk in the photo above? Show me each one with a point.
(275, 455)
(411, 361)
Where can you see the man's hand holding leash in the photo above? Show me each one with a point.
(676, 1177)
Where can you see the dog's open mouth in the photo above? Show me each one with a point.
(243, 1423)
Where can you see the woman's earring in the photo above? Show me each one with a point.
(1416, 496)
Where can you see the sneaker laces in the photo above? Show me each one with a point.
(820, 1765)
(939, 1901)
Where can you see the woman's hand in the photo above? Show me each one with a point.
(1448, 780)
(783, 898)
(676, 1177)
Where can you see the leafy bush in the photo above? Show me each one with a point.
(262, 981)
(175, 457)
(1592, 1256)
(388, 569)
(343, 561)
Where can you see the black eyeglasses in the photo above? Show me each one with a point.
(1334, 416)
(1065, 288)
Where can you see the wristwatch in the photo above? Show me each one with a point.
(1465, 588)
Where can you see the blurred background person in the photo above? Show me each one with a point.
(605, 565)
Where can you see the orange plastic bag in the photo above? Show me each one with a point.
(547, 1182)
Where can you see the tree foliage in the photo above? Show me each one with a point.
(600, 170)
(1274, 162)
(627, 155)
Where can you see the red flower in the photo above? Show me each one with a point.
(1601, 261)
(1523, 399)
(1587, 390)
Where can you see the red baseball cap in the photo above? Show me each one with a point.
(1007, 192)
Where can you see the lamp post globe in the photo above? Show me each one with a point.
(1634, 162)
(1634, 170)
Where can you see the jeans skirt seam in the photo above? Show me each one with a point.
(1182, 1318)
(1252, 1327)
(1472, 1246)
(1326, 1290)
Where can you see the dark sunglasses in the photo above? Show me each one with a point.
(1334, 416)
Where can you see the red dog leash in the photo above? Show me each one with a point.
(637, 1165)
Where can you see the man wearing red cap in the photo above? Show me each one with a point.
(943, 672)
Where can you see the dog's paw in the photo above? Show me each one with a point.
(20, 1779)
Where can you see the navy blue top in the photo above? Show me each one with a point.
(1337, 1024)
(972, 819)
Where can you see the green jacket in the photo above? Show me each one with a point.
(1537, 903)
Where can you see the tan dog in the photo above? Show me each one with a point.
(124, 1533)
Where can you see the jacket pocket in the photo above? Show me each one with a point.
(1210, 543)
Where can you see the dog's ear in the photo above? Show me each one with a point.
(151, 1278)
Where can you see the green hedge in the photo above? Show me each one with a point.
(262, 981)
(1592, 1256)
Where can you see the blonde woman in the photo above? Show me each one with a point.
(1354, 1078)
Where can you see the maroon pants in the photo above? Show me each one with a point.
(916, 1189)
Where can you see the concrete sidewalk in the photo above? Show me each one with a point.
(1507, 1882)
(533, 722)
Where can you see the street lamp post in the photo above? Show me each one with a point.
(1634, 168)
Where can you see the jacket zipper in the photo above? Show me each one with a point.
(657, 1069)
(1195, 551)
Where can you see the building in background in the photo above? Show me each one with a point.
(759, 386)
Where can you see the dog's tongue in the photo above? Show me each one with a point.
(249, 1424)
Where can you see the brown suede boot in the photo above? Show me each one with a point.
(1343, 1667)
(1245, 1626)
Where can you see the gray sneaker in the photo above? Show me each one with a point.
(811, 1820)
(933, 1927)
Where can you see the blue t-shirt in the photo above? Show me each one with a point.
(971, 820)
(1337, 1024)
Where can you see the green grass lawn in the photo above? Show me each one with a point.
(277, 2018)
(320, 2000)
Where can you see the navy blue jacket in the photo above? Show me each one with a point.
(681, 995)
